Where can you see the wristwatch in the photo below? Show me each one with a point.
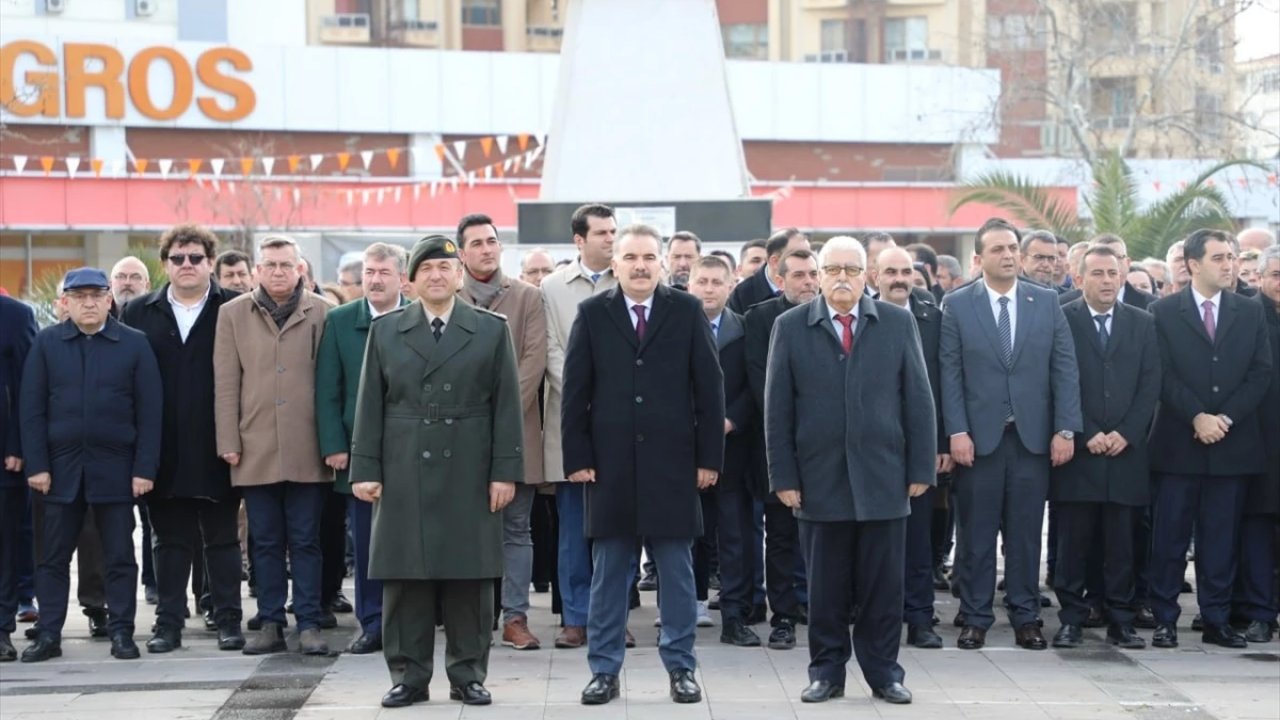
(1066, 434)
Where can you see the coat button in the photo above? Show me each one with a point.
(639, 399)
(1106, 394)
(426, 422)
(639, 362)
(448, 453)
(279, 368)
(426, 388)
(639, 438)
(1215, 358)
(426, 455)
(447, 387)
(281, 402)
(448, 421)
(1215, 388)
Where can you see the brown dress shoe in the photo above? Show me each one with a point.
(1030, 637)
(515, 634)
(971, 638)
(570, 637)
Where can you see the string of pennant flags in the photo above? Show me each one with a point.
(450, 155)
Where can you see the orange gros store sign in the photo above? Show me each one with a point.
(214, 82)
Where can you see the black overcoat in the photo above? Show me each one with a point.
(739, 406)
(1264, 490)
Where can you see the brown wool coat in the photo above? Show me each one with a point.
(264, 391)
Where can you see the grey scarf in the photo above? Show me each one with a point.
(280, 313)
(485, 294)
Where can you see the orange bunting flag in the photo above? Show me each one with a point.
(440, 152)
(194, 165)
(46, 162)
(486, 144)
(96, 164)
(523, 140)
(140, 164)
(293, 163)
(393, 156)
(246, 165)
(497, 167)
(343, 160)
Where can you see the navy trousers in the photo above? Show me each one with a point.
(1084, 531)
(61, 527)
(738, 554)
(1214, 506)
(13, 505)
(783, 562)
(613, 569)
(368, 591)
(1255, 587)
(286, 515)
(917, 578)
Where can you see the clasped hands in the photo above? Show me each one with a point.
(1210, 428)
(1110, 444)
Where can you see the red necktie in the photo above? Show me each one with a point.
(846, 338)
(640, 324)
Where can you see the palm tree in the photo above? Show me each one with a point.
(1113, 204)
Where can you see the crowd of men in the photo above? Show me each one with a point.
(811, 431)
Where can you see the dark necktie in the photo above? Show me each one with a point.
(715, 330)
(1103, 335)
(640, 323)
(1006, 331)
(595, 278)
(437, 330)
(846, 337)
(1210, 324)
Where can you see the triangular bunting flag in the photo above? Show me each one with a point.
(140, 165)
(117, 168)
(523, 141)
(379, 195)
(500, 169)
(193, 165)
(19, 162)
(344, 159)
(165, 165)
(393, 156)
(440, 152)
(417, 192)
(460, 149)
(502, 144)
(46, 163)
(506, 164)
(73, 164)
(217, 186)
(350, 197)
(216, 165)
(246, 165)
(486, 144)
(366, 156)
(434, 187)
(316, 159)
(96, 164)
(293, 163)
(297, 196)
(488, 171)
(471, 179)
(268, 163)
(364, 197)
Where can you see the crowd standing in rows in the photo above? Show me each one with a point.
(804, 429)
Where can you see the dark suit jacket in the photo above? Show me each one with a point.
(849, 432)
(1264, 491)
(646, 415)
(1228, 375)
(759, 321)
(1119, 388)
(19, 323)
(94, 424)
(929, 324)
(739, 406)
(979, 389)
(189, 462)
(1132, 297)
(751, 291)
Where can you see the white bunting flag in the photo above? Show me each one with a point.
(19, 162)
(379, 195)
(297, 196)
(417, 192)
(268, 163)
(471, 179)
(366, 156)
(395, 195)
(488, 171)
(166, 165)
(364, 197)
(351, 197)
(316, 159)
(217, 186)
(434, 186)
(502, 144)
(453, 182)
(216, 165)
(460, 149)
(73, 164)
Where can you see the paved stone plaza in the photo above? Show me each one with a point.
(1001, 682)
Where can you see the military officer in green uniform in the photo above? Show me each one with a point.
(436, 448)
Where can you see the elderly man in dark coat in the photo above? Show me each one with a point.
(1097, 494)
(193, 508)
(91, 418)
(643, 428)
(19, 325)
(437, 448)
(851, 437)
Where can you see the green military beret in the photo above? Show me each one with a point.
(431, 247)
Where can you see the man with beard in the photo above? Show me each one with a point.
(129, 279)
(683, 250)
(484, 286)
(338, 364)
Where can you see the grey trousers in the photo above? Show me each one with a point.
(517, 553)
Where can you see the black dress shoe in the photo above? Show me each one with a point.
(8, 653)
(165, 640)
(895, 693)
(940, 581)
(1258, 632)
(960, 620)
(541, 587)
(209, 623)
(971, 638)
(1123, 636)
(923, 637)
(97, 622)
(1224, 636)
(32, 632)
(1045, 601)
(366, 644)
(473, 693)
(684, 688)
(783, 636)
(1165, 636)
(1029, 637)
(403, 696)
(648, 583)
(1068, 636)
(42, 649)
(1096, 619)
(124, 648)
(254, 623)
(821, 691)
(230, 637)
(341, 604)
(759, 613)
(150, 595)
(328, 620)
(1186, 588)
(735, 633)
(1197, 623)
(1144, 618)
(714, 603)
(602, 688)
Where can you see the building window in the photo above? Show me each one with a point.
(1115, 26)
(482, 12)
(1114, 101)
(746, 42)
(1208, 116)
(1009, 33)
(907, 40)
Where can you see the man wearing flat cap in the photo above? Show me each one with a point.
(437, 449)
(90, 416)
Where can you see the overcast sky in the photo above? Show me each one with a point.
(1258, 30)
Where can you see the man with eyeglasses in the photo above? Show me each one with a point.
(1040, 258)
(129, 279)
(193, 508)
(91, 424)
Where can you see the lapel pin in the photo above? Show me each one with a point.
(1030, 299)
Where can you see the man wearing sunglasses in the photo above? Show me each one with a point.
(193, 486)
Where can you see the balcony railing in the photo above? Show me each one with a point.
(345, 28)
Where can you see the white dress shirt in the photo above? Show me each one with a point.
(1111, 315)
(832, 313)
(186, 315)
(375, 314)
(1216, 300)
(994, 298)
(648, 310)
